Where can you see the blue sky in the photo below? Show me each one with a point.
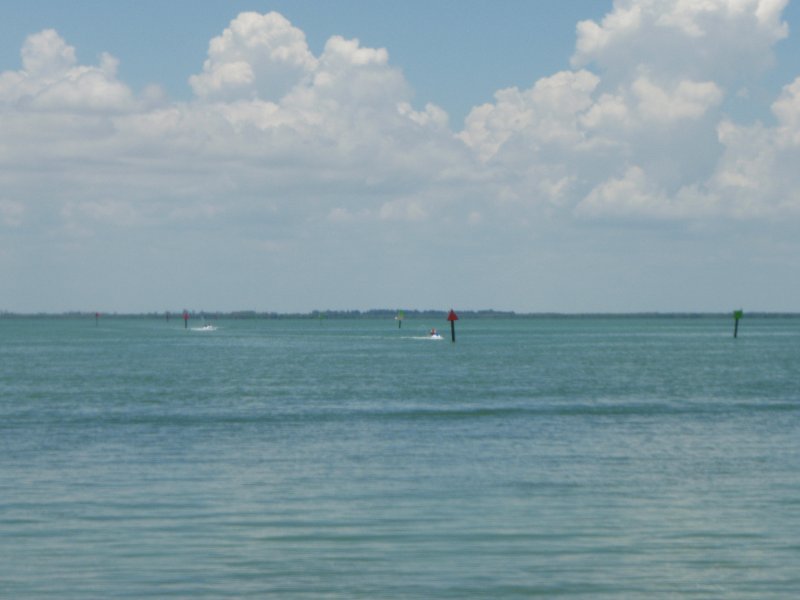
(535, 156)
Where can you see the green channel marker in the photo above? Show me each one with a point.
(737, 314)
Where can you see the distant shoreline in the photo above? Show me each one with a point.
(387, 314)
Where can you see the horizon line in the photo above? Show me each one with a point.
(379, 313)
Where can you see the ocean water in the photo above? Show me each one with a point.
(546, 457)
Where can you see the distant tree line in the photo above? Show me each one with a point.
(384, 313)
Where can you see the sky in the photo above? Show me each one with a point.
(289, 156)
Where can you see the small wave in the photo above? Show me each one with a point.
(299, 417)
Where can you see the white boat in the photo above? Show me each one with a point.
(435, 336)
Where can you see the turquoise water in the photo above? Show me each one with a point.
(551, 457)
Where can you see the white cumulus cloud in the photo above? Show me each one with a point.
(757, 174)
(687, 100)
(257, 56)
(284, 149)
(689, 39)
(51, 79)
(645, 100)
(548, 112)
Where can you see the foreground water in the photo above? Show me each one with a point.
(579, 458)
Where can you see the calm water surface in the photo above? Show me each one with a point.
(576, 458)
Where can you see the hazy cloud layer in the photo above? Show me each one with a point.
(278, 142)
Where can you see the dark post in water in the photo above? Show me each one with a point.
(185, 319)
(452, 317)
(737, 314)
(399, 319)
